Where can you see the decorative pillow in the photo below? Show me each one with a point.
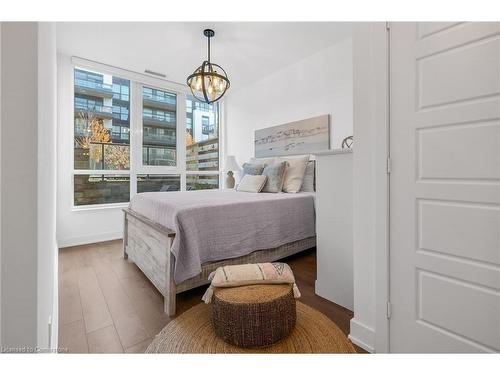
(253, 168)
(294, 173)
(275, 173)
(308, 181)
(250, 274)
(251, 183)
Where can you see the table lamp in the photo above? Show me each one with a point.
(230, 166)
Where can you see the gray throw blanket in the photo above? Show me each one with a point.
(213, 225)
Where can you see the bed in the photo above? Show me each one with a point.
(178, 238)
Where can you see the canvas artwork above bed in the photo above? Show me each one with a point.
(294, 138)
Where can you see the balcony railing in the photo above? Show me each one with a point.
(153, 155)
(158, 117)
(98, 109)
(109, 156)
(160, 98)
(159, 139)
(94, 86)
(208, 129)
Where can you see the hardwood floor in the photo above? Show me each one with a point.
(106, 304)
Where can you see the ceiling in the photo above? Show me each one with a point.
(246, 50)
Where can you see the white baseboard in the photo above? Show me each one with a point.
(88, 239)
(362, 335)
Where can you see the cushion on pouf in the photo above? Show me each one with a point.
(251, 274)
(254, 315)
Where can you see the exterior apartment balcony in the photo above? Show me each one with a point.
(101, 111)
(159, 120)
(101, 90)
(108, 156)
(159, 101)
(159, 140)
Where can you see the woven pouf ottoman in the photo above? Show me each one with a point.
(253, 315)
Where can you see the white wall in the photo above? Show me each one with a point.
(320, 84)
(81, 225)
(334, 227)
(369, 326)
(28, 184)
(19, 184)
(47, 136)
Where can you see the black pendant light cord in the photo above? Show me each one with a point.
(209, 48)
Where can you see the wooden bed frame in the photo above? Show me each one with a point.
(148, 245)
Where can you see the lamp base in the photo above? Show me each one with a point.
(230, 180)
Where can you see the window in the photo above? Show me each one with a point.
(101, 123)
(146, 183)
(111, 113)
(159, 143)
(202, 136)
(121, 89)
(100, 189)
(202, 181)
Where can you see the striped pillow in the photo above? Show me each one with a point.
(308, 183)
(250, 274)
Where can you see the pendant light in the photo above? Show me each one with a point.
(209, 81)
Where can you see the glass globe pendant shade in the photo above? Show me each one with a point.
(209, 81)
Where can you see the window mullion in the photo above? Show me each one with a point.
(135, 135)
(181, 137)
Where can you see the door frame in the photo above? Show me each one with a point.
(371, 47)
(382, 194)
(383, 219)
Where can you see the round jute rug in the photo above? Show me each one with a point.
(192, 332)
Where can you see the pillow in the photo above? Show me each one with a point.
(252, 183)
(250, 274)
(308, 183)
(253, 168)
(294, 173)
(275, 173)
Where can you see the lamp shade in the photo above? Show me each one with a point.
(231, 164)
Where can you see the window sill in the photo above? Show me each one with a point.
(98, 207)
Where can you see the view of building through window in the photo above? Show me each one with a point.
(101, 137)
(102, 123)
(159, 123)
(202, 143)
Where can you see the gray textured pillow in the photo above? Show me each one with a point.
(253, 169)
(275, 174)
(252, 183)
(308, 183)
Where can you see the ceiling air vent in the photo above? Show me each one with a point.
(155, 73)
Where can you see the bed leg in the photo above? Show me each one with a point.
(169, 304)
(169, 301)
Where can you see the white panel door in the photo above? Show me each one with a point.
(445, 187)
